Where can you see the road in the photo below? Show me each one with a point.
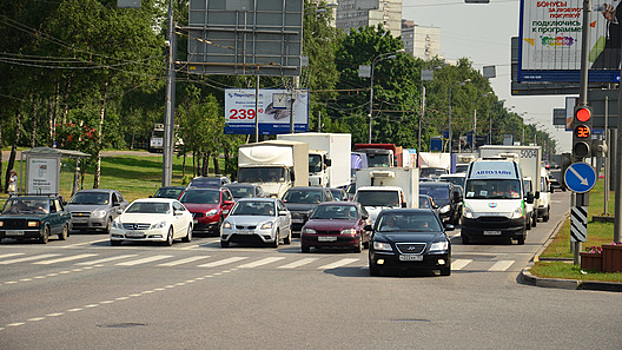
(83, 293)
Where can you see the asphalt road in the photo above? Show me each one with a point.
(83, 293)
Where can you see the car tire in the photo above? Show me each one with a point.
(547, 216)
(63, 234)
(188, 237)
(169, 237)
(359, 246)
(535, 220)
(108, 225)
(305, 248)
(446, 271)
(224, 244)
(45, 237)
(216, 230)
(115, 243)
(288, 240)
(374, 270)
(465, 239)
(521, 240)
(528, 225)
(275, 244)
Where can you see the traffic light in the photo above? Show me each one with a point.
(582, 132)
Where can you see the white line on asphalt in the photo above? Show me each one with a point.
(501, 265)
(85, 243)
(28, 258)
(459, 264)
(260, 262)
(104, 260)
(184, 261)
(224, 261)
(298, 263)
(68, 258)
(10, 255)
(338, 263)
(144, 260)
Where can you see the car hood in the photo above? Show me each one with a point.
(23, 215)
(249, 220)
(406, 236)
(85, 207)
(194, 207)
(330, 224)
(141, 218)
(300, 207)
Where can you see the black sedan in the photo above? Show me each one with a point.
(409, 240)
(34, 217)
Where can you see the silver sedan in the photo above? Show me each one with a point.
(257, 220)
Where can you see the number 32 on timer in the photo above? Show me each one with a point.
(243, 113)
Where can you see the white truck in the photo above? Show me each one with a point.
(275, 165)
(433, 164)
(381, 188)
(329, 157)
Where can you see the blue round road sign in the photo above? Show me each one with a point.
(580, 177)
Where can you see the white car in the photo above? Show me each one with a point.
(257, 220)
(152, 220)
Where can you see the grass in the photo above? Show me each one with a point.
(558, 269)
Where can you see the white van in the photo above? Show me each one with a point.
(377, 198)
(494, 201)
(530, 208)
(544, 201)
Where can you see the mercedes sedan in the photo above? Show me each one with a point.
(409, 240)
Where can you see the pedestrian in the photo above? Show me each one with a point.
(12, 186)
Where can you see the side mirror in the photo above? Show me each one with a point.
(229, 202)
(328, 162)
(530, 197)
(449, 227)
(179, 212)
(368, 228)
(537, 195)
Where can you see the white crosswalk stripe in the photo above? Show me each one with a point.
(501, 265)
(184, 261)
(144, 260)
(10, 255)
(28, 258)
(298, 263)
(459, 264)
(338, 263)
(65, 259)
(224, 261)
(105, 260)
(261, 262)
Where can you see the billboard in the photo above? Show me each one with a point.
(550, 39)
(240, 111)
(42, 176)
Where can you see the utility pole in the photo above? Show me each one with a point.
(169, 118)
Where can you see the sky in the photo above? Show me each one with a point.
(482, 33)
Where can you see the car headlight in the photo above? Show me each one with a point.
(98, 214)
(439, 246)
(348, 231)
(267, 226)
(445, 209)
(382, 246)
(158, 225)
(517, 213)
(211, 212)
(467, 213)
(309, 231)
(226, 225)
(33, 223)
(1, 223)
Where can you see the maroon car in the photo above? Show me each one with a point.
(209, 207)
(336, 224)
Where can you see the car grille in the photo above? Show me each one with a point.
(197, 215)
(298, 215)
(493, 222)
(81, 214)
(410, 248)
(136, 226)
(10, 224)
(327, 232)
(242, 227)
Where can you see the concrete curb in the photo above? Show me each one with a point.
(527, 278)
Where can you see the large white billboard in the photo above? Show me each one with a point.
(550, 41)
(42, 176)
(240, 111)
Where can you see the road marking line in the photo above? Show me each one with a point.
(298, 263)
(68, 258)
(260, 262)
(75, 310)
(10, 255)
(144, 260)
(35, 319)
(184, 261)
(338, 263)
(16, 324)
(224, 261)
(28, 258)
(104, 260)
(501, 265)
(459, 264)
(56, 314)
(84, 243)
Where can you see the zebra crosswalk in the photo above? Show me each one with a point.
(291, 262)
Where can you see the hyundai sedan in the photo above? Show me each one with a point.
(409, 240)
(257, 220)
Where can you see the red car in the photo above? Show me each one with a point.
(209, 207)
(336, 224)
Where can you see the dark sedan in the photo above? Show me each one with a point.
(447, 197)
(34, 217)
(302, 200)
(336, 224)
(169, 192)
(409, 240)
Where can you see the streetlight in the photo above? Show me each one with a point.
(381, 57)
(450, 87)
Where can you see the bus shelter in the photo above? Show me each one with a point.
(43, 167)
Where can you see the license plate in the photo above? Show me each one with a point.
(246, 232)
(14, 233)
(195, 221)
(326, 239)
(411, 257)
(80, 221)
(492, 233)
(134, 234)
(297, 221)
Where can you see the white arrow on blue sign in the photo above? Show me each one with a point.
(580, 177)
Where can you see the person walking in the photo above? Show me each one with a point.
(12, 186)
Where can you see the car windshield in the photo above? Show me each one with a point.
(315, 163)
(258, 208)
(200, 197)
(263, 174)
(436, 192)
(456, 180)
(424, 202)
(408, 222)
(302, 196)
(432, 172)
(492, 189)
(378, 160)
(148, 208)
(168, 193)
(90, 198)
(26, 205)
(338, 212)
(240, 191)
(378, 198)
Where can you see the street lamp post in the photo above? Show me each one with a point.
(451, 87)
(381, 57)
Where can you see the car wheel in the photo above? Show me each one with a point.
(465, 239)
(45, 236)
(305, 248)
(63, 234)
(108, 225)
(115, 243)
(521, 240)
(535, 221)
(224, 244)
(275, 244)
(169, 237)
(216, 230)
(359, 246)
(547, 216)
(374, 270)
(288, 240)
(528, 225)
(446, 271)
(188, 237)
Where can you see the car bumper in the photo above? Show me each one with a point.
(157, 235)
(18, 234)
(209, 223)
(391, 261)
(248, 236)
(541, 211)
(330, 240)
(498, 227)
(86, 224)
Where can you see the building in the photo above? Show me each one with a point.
(361, 13)
(421, 42)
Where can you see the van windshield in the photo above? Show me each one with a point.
(492, 189)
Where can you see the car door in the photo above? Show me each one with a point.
(180, 222)
(227, 202)
(119, 204)
(284, 221)
(54, 217)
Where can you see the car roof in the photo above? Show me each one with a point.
(438, 184)
(352, 204)
(257, 199)
(193, 188)
(101, 190)
(407, 210)
(306, 188)
(156, 200)
(379, 188)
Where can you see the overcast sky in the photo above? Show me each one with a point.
(482, 32)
